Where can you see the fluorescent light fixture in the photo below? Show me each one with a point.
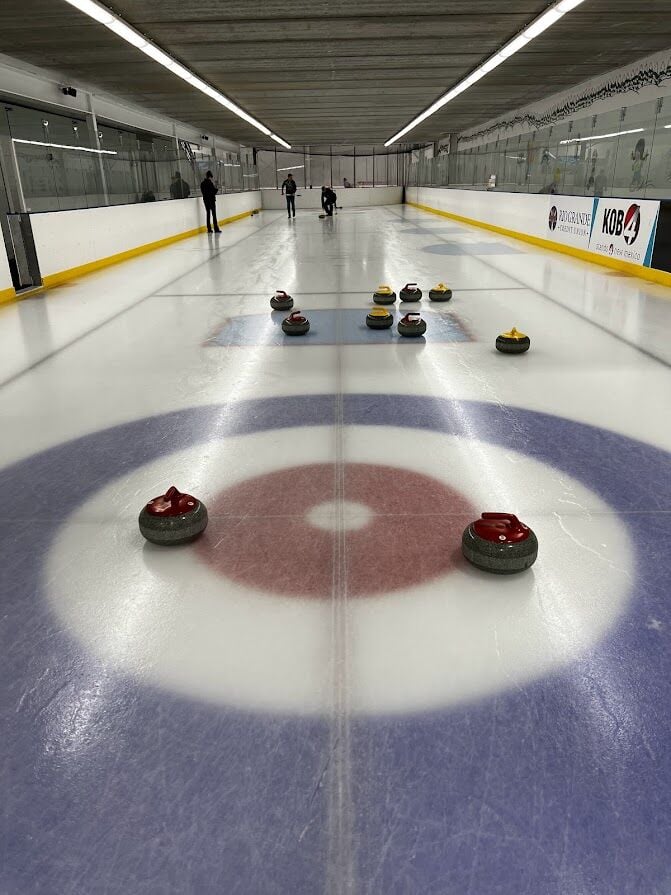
(538, 26)
(105, 17)
(280, 141)
(568, 5)
(291, 168)
(231, 165)
(64, 146)
(157, 55)
(126, 33)
(667, 126)
(93, 10)
(510, 49)
(542, 23)
(635, 130)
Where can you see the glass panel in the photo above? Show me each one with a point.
(659, 172)
(632, 164)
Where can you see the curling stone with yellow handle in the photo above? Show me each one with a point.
(384, 295)
(513, 342)
(379, 318)
(441, 292)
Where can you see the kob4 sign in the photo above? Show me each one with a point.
(624, 229)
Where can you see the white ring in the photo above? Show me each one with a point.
(164, 616)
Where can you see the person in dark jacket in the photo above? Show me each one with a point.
(179, 189)
(209, 189)
(289, 189)
(328, 200)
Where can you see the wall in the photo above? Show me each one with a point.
(352, 198)
(67, 240)
(646, 79)
(21, 82)
(511, 211)
(617, 232)
(607, 136)
(6, 287)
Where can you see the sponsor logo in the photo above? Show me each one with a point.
(552, 220)
(617, 222)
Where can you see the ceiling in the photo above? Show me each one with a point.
(344, 71)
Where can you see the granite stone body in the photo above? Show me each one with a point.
(173, 530)
(410, 294)
(384, 298)
(281, 302)
(502, 559)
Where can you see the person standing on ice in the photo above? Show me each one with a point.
(289, 189)
(209, 189)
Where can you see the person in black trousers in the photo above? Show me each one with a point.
(289, 189)
(209, 189)
(328, 200)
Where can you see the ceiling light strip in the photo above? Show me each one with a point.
(538, 26)
(105, 17)
(635, 130)
(64, 146)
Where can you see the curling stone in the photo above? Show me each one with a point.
(500, 543)
(384, 296)
(379, 318)
(440, 293)
(295, 324)
(173, 518)
(513, 342)
(410, 292)
(281, 301)
(412, 325)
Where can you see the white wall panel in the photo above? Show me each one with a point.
(623, 229)
(5, 276)
(351, 198)
(66, 239)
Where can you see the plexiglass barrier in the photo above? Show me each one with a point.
(626, 151)
(63, 163)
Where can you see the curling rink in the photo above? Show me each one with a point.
(321, 695)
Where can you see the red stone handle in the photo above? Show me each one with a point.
(173, 495)
(510, 518)
(408, 285)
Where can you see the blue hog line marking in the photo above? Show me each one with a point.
(331, 327)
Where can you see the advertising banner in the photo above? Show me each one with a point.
(624, 229)
(570, 220)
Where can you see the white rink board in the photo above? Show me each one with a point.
(363, 197)
(5, 276)
(66, 239)
(567, 220)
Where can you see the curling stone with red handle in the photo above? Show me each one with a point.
(410, 292)
(412, 325)
(173, 518)
(281, 301)
(296, 324)
(500, 543)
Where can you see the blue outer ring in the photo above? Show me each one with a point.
(563, 786)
